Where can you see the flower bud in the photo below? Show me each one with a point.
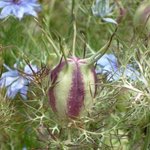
(72, 88)
(142, 16)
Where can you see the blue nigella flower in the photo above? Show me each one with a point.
(15, 82)
(108, 65)
(102, 9)
(19, 8)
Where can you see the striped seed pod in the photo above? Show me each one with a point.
(72, 88)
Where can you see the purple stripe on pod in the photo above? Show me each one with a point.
(53, 77)
(76, 94)
(52, 99)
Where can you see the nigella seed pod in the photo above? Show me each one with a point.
(73, 87)
(73, 84)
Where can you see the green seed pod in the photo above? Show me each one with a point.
(73, 84)
(73, 87)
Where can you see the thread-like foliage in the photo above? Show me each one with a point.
(119, 116)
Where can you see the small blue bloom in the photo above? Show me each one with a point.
(19, 8)
(108, 65)
(15, 82)
(102, 9)
(131, 72)
(24, 148)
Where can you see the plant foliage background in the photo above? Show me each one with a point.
(120, 116)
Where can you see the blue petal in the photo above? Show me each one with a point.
(103, 61)
(29, 71)
(29, 10)
(11, 92)
(6, 10)
(30, 1)
(34, 5)
(131, 73)
(23, 92)
(4, 82)
(107, 64)
(18, 12)
(3, 4)
(109, 20)
(19, 9)
(106, 59)
(17, 86)
(24, 148)
(13, 73)
(108, 69)
(8, 77)
(20, 83)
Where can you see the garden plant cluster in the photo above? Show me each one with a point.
(75, 74)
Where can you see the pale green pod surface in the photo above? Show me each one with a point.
(73, 88)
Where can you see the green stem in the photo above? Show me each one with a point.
(50, 40)
(74, 29)
(102, 51)
(55, 48)
(63, 54)
(74, 37)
